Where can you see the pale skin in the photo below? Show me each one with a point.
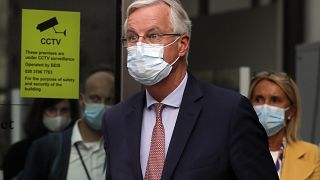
(156, 18)
(267, 92)
(98, 88)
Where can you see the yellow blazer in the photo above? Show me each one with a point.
(301, 162)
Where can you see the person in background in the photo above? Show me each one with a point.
(276, 100)
(46, 115)
(178, 127)
(76, 153)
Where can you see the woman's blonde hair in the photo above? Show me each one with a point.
(291, 90)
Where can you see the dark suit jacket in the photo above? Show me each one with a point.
(217, 136)
(48, 157)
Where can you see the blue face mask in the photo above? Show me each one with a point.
(93, 114)
(272, 118)
(145, 63)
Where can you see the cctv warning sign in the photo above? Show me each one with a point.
(50, 45)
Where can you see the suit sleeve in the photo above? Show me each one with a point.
(249, 149)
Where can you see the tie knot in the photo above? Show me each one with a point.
(159, 107)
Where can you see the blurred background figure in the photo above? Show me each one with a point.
(276, 100)
(46, 115)
(76, 153)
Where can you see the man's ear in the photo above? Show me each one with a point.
(183, 45)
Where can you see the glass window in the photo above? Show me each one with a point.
(98, 46)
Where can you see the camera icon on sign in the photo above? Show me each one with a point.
(50, 23)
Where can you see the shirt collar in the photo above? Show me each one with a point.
(76, 137)
(173, 99)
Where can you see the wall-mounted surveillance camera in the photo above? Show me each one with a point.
(49, 24)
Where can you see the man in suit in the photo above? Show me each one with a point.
(179, 127)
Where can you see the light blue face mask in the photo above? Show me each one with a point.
(145, 63)
(93, 114)
(272, 118)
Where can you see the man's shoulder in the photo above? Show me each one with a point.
(122, 108)
(217, 92)
(138, 97)
(54, 137)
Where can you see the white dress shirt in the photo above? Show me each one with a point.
(169, 117)
(93, 155)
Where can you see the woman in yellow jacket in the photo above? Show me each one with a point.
(276, 99)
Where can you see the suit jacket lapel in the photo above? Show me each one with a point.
(133, 129)
(187, 117)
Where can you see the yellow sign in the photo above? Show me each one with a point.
(50, 54)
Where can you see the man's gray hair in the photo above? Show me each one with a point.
(180, 21)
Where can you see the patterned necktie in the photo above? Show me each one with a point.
(157, 151)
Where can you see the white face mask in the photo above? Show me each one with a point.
(57, 123)
(145, 63)
(272, 118)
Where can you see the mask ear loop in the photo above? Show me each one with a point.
(172, 42)
(175, 61)
(170, 45)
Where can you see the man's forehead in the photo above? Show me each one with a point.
(149, 17)
(147, 29)
(98, 79)
(99, 75)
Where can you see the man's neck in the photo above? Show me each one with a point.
(162, 89)
(276, 140)
(88, 134)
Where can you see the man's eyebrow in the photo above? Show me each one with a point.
(131, 31)
(153, 29)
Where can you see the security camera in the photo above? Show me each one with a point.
(50, 23)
